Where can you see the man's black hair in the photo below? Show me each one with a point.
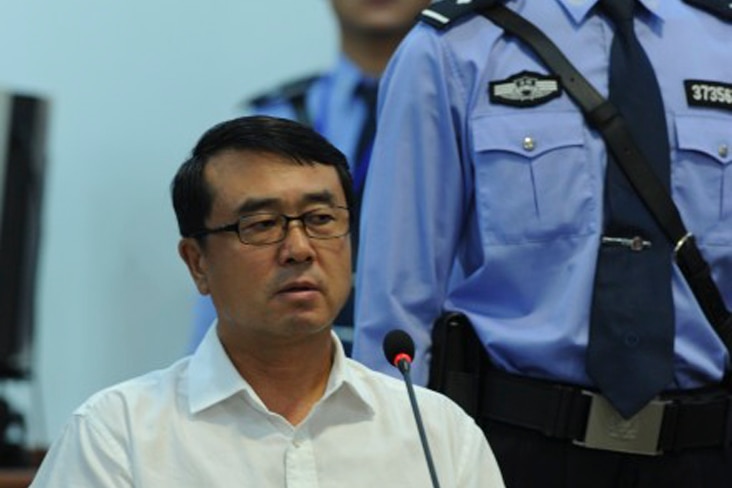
(193, 198)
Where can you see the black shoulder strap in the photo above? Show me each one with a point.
(445, 13)
(604, 117)
(293, 92)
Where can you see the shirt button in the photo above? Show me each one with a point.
(723, 150)
(529, 143)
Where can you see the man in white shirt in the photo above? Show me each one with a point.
(268, 399)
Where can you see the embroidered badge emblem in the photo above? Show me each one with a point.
(525, 89)
(714, 94)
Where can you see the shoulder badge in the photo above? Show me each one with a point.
(524, 89)
(718, 8)
(443, 13)
(292, 92)
(287, 91)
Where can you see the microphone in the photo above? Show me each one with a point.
(399, 351)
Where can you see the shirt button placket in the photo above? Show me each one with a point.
(300, 467)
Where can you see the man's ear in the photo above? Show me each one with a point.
(192, 254)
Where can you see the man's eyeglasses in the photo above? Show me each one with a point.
(262, 228)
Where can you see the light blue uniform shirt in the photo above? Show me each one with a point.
(338, 114)
(514, 195)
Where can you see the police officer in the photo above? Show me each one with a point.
(339, 104)
(486, 196)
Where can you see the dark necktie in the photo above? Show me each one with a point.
(366, 91)
(630, 351)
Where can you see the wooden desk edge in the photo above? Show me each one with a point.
(16, 477)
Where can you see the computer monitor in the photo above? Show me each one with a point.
(23, 123)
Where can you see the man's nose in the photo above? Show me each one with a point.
(297, 246)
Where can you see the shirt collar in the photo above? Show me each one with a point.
(579, 10)
(350, 76)
(212, 378)
(346, 379)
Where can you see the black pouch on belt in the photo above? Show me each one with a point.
(458, 359)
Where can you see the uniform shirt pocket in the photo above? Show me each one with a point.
(702, 176)
(532, 177)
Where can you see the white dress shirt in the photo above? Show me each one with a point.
(199, 424)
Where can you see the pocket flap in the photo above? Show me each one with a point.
(709, 135)
(527, 134)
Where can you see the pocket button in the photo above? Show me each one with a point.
(723, 150)
(529, 144)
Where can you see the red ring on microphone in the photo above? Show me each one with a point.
(402, 355)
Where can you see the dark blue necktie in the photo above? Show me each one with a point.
(630, 351)
(366, 91)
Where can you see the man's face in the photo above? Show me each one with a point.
(378, 17)
(280, 291)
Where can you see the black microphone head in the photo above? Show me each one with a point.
(398, 342)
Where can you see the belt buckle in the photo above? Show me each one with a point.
(608, 430)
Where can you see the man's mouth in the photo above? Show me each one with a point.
(299, 287)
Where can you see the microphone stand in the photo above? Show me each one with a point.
(403, 365)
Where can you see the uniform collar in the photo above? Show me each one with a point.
(350, 75)
(579, 10)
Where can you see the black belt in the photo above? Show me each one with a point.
(672, 422)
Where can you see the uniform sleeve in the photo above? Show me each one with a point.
(413, 202)
(85, 455)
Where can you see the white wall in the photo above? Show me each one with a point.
(132, 85)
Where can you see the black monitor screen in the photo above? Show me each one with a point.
(22, 166)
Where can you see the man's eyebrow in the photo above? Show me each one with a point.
(252, 205)
(324, 196)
